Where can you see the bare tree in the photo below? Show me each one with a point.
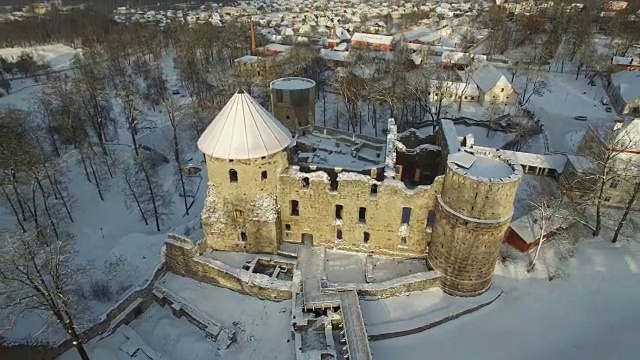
(492, 112)
(37, 274)
(176, 122)
(535, 83)
(608, 148)
(627, 209)
(129, 95)
(547, 216)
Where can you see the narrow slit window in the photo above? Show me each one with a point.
(362, 215)
(367, 237)
(338, 212)
(243, 236)
(403, 241)
(263, 175)
(374, 189)
(339, 234)
(333, 184)
(406, 215)
(305, 183)
(431, 218)
(233, 176)
(295, 210)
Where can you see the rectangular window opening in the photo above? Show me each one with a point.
(338, 212)
(339, 234)
(614, 184)
(406, 215)
(403, 241)
(362, 215)
(239, 214)
(367, 237)
(287, 227)
(374, 189)
(295, 210)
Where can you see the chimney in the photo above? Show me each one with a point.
(253, 39)
(618, 124)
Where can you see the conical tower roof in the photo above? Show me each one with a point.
(243, 130)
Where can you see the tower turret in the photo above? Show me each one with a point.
(293, 101)
(472, 216)
(246, 150)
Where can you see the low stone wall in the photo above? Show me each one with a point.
(181, 257)
(386, 289)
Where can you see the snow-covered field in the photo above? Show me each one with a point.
(263, 328)
(591, 313)
(58, 56)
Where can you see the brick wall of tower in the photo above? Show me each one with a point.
(230, 207)
(294, 108)
(472, 217)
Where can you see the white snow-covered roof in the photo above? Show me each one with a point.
(243, 130)
(486, 76)
(528, 226)
(628, 83)
(372, 38)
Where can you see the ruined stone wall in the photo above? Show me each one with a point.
(317, 213)
(181, 257)
(472, 217)
(243, 215)
(403, 285)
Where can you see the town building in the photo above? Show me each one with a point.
(372, 42)
(623, 88)
(616, 146)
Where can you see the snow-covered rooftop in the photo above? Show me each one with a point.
(629, 84)
(336, 149)
(528, 227)
(486, 76)
(372, 38)
(243, 130)
(292, 83)
(484, 166)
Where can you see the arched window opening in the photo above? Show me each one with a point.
(233, 176)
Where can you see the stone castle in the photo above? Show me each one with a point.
(277, 179)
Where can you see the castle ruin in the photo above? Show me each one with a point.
(281, 179)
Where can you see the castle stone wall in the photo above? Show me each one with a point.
(317, 213)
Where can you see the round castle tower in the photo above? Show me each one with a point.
(246, 150)
(473, 214)
(293, 101)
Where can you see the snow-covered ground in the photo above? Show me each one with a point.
(591, 313)
(263, 328)
(58, 56)
(568, 98)
(162, 332)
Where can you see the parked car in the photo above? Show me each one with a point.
(580, 118)
(604, 101)
(607, 109)
(175, 92)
